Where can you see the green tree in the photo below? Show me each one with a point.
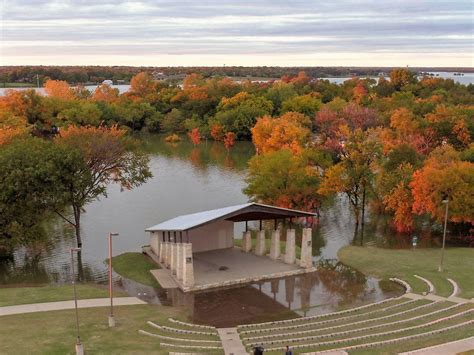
(306, 104)
(283, 179)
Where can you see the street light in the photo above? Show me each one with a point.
(79, 346)
(445, 201)
(111, 290)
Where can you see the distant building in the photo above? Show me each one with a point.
(158, 75)
(108, 82)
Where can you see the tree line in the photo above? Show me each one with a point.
(400, 145)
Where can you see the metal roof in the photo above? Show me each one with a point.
(245, 212)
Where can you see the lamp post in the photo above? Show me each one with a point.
(445, 201)
(111, 289)
(79, 346)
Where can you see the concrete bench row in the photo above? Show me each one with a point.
(327, 321)
(455, 288)
(431, 288)
(373, 335)
(385, 342)
(304, 319)
(332, 335)
(181, 331)
(405, 284)
(192, 325)
(392, 315)
(159, 336)
(312, 331)
(182, 346)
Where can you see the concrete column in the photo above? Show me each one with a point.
(290, 251)
(179, 260)
(306, 259)
(174, 258)
(260, 248)
(188, 269)
(247, 241)
(162, 252)
(155, 243)
(275, 246)
(168, 255)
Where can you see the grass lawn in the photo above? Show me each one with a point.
(54, 332)
(25, 295)
(17, 85)
(386, 263)
(268, 243)
(136, 267)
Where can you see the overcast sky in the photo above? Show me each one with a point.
(218, 32)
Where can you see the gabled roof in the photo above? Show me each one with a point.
(245, 212)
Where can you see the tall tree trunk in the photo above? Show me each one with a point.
(77, 226)
(363, 205)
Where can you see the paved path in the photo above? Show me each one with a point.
(55, 306)
(231, 341)
(451, 348)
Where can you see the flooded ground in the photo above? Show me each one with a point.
(188, 179)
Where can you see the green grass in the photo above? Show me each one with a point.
(25, 295)
(268, 243)
(54, 332)
(136, 267)
(386, 263)
(17, 85)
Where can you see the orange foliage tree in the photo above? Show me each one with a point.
(59, 89)
(444, 175)
(287, 131)
(105, 93)
(217, 132)
(8, 133)
(229, 140)
(195, 136)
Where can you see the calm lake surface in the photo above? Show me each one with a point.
(188, 179)
(466, 79)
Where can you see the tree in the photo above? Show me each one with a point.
(306, 104)
(143, 87)
(286, 180)
(105, 93)
(239, 113)
(195, 136)
(289, 131)
(229, 140)
(353, 175)
(217, 132)
(34, 174)
(442, 176)
(59, 89)
(401, 77)
(108, 156)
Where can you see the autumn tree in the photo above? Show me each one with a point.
(306, 104)
(289, 131)
(143, 87)
(239, 113)
(401, 77)
(108, 156)
(59, 89)
(442, 176)
(229, 140)
(217, 132)
(195, 136)
(354, 174)
(105, 93)
(283, 179)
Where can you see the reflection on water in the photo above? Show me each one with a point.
(330, 288)
(187, 179)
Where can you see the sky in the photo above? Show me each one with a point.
(247, 33)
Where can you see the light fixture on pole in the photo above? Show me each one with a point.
(111, 290)
(445, 201)
(79, 346)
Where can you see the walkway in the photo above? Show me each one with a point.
(453, 347)
(56, 306)
(231, 341)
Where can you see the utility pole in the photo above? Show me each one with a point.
(445, 201)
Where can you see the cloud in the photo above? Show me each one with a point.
(34, 30)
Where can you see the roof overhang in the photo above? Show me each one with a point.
(239, 213)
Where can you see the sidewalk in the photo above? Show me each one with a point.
(453, 348)
(56, 306)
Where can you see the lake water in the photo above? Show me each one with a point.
(188, 179)
(466, 78)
